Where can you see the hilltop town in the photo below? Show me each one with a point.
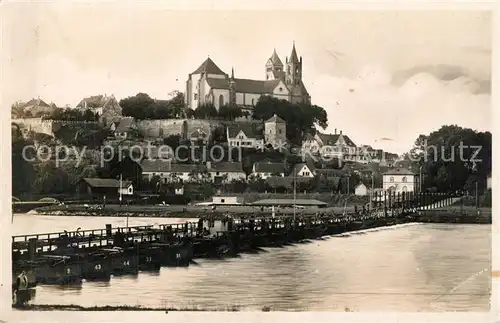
(271, 122)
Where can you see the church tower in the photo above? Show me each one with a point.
(274, 67)
(293, 69)
(232, 89)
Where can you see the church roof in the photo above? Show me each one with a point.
(293, 55)
(275, 60)
(275, 119)
(245, 85)
(209, 67)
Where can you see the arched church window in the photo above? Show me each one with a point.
(221, 100)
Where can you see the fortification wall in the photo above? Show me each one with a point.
(169, 127)
(35, 124)
(48, 127)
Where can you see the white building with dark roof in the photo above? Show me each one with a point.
(336, 145)
(303, 170)
(226, 172)
(268, 169)
(275, 132)
(209, 84)
(244, 135)
(399, 180)
(107, 107)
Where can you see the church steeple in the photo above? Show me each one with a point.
(293, 68)
(274, 66)
(275, 60)
(232, 88)
(293, 55)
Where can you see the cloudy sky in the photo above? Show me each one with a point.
(384, 77)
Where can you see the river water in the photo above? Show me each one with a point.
(413, 267)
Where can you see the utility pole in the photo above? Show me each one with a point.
(420, 178)
(477, 195)
(294, 194)
(371, 194)
(120, 192)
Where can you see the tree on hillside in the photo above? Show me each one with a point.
(160, 109)
(300, 118)
(230, 112)
(176, 104)
(448, 158)
(138, 106)
(205, 111)
(69, 115)
(142, 106)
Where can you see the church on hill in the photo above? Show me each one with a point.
(209, 84)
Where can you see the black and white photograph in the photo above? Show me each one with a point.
(247, 160)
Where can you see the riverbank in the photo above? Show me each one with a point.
(173, 211)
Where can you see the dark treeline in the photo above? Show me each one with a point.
(452, 158)
(71, 115)
(141, 106)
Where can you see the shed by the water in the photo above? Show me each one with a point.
(104, 186)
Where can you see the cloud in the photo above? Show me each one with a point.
(445, 72)
(371, 106)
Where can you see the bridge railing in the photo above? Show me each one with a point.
(77, 233)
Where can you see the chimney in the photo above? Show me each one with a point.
(340, 131)
(335, 130)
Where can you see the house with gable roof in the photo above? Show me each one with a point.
(268, 169)
(244, 135)
(97, 103)
(125, 129)
(198, 135)
(36, 107)
(168, 171)
(336, 145)
(209, 84)
(225, 172)
(303, 170)
(107, 107)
